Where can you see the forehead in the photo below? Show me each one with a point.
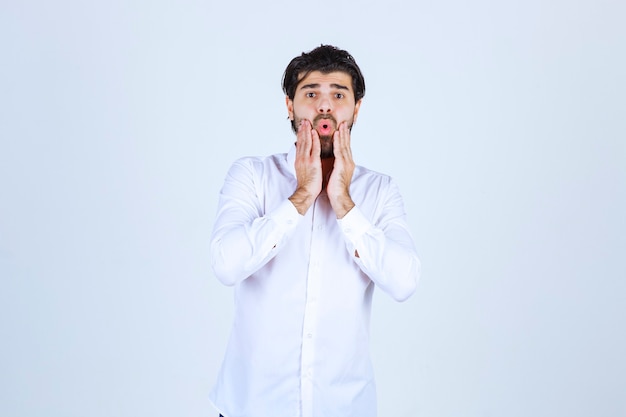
(326, 79)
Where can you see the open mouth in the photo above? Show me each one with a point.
(325, 127)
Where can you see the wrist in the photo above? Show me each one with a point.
(302, 200)
(342, 205)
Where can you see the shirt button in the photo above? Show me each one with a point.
(309, 335)
(320, 227)
(347, 230)
(309, 373)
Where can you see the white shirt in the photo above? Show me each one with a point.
(299, 345)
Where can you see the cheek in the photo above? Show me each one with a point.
(303, 112)
(348, 115)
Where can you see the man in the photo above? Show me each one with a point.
(304, 237)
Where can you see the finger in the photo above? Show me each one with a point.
(337, 152)
(341, 141)
(316, 147)
(345, 133)
(303, 138)
(302, 129)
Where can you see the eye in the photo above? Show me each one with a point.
(310, 94)
(339, 95)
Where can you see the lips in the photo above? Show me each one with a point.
(325, 126)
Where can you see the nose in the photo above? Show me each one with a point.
(324, 106)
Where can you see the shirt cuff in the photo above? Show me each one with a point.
(354, 224)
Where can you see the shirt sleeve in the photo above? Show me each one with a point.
(245, 238)
(383, 247)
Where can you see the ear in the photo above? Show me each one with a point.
(289, 103)
(357, 106)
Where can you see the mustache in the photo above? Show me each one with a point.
(320, 117)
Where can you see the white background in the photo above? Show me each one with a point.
(504, 123)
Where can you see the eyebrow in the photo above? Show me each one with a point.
(315, 85)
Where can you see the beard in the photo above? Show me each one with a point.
(326, 141)
(326, 147)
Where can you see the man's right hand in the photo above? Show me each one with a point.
(308, 167)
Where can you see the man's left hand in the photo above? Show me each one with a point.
(338, 187)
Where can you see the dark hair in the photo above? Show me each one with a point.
(326, 59)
